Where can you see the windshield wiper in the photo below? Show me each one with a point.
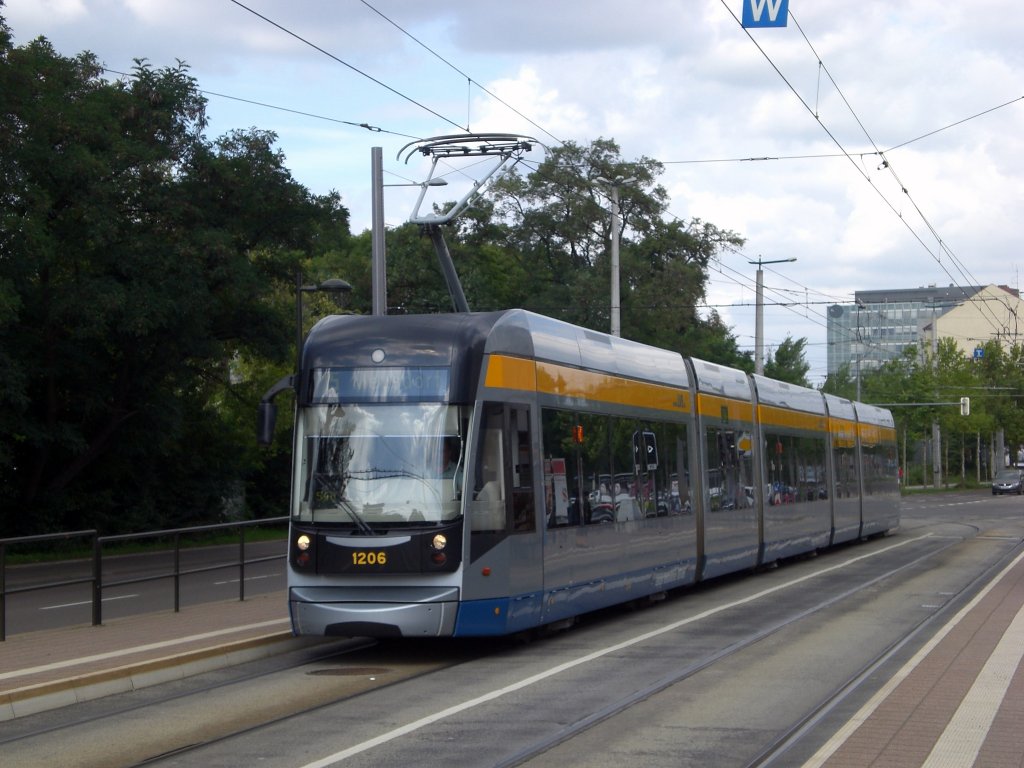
(361, 524)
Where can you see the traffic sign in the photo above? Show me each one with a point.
(765, 13)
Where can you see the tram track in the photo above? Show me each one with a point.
(373, 655)
(362, 664)
(84, 715)
(366, 753)
(776, 753)
(764, 759)
(185, 754)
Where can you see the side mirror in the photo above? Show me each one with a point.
(266, 419)
(266, 416)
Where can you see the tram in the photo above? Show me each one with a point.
(482, 474)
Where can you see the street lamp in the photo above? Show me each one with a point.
(759, 316)
(613, 185)
(331, 285)
(427, 183)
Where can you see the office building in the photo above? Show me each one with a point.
(880, 324)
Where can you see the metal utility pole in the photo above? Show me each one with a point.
(936, 431)
(759, 316)
(616, 320)
(379, 254)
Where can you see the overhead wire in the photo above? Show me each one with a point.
(885, 163)
(301, 113)
(844, 152)
(355, 69)
(888, 166)
(827, 155)
(469, 78)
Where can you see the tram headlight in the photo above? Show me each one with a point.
(303, 552)
(440, 542)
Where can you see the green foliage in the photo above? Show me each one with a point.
(138, 264)
(923, 388)
(555, 226)
(788, 362)
(147, 288)
(541, 241)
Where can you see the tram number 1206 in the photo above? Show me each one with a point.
(361, 557)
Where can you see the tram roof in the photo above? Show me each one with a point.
(785, 395)
(526, 334)
(872, 414)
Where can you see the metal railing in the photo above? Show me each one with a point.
(96, 580)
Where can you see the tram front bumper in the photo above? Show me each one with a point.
(373, 612)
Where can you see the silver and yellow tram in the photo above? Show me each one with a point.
(487, 473)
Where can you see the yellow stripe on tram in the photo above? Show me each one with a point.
(724, 408)
(505, 372)
(773, 416)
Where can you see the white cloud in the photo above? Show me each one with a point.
(675, 80)
(48, 11)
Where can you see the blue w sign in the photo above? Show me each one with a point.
(765, 13)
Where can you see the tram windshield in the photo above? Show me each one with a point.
(373, 465)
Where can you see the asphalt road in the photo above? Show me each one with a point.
(137, 583)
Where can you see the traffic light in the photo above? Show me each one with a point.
(965, 406)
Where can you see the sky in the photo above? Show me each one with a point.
(879, 144)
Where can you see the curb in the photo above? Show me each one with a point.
(33, 699)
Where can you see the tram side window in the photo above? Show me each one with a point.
(796, 468)
(729, 470)
(594, 474)
(502, 483)
(651, 473)
(846, 483)
(561, 437)
(669, 484)
(595, 470)
(625, 483)
(578, 482)
(662, 462)
(879, 468)
(487, 505)
(869, 467)
(523, 509)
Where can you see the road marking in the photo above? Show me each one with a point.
(84, 602)
(139, 649)
(558, 669)
(247, 578)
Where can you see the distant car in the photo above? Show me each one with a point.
(1007, 481)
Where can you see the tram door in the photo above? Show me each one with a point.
(503, 512)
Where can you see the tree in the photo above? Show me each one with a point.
(557, 224)
(138, 264)
(788, 362)
(541, 241)
(841, 383)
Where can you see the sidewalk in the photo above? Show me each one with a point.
(957, 703)
(53, 668)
